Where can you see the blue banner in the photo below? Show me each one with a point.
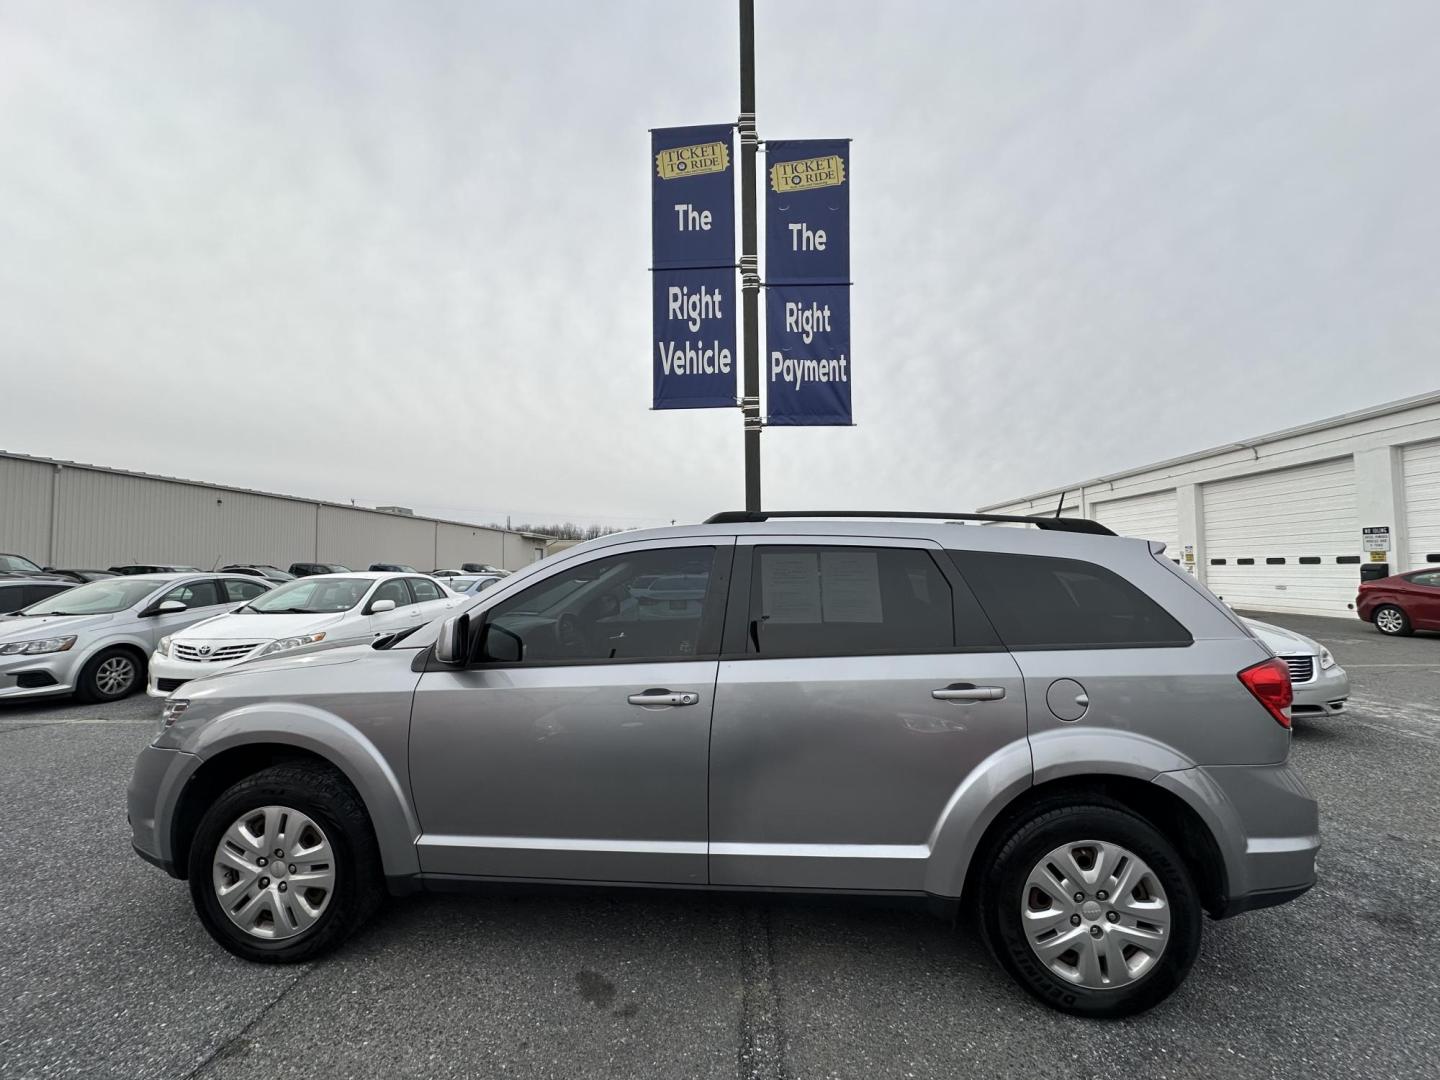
(692, 228)
(807, 355)
(692, 197)
(807, 212)
(694, 358)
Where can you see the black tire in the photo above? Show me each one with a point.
(90, 687)
(327, 798)
(1003, 890)
(1404, 628)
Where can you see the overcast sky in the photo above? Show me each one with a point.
(399, 252)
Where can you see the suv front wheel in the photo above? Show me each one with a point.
(1091, 910)
(284, 866)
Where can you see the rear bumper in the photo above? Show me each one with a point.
(1265, 823)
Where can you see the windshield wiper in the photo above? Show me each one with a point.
(289, 611)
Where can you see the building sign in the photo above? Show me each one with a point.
(807, 279)
(1375, 538)
(692, 222)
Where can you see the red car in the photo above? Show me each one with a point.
(1401, 603)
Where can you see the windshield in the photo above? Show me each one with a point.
(311, 596)
(17, 564)
(336, 568)
(98, 598)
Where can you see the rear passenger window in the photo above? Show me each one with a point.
(197, 594)
(424, 590)
(1038, 602)
(238, 589)
(846, 601)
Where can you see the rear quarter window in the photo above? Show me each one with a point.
(1041, 602)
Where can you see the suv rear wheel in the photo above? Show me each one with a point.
(284, 866)
(1091, 910)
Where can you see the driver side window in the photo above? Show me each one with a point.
(642, 605)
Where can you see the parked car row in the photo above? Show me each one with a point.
(106, 639)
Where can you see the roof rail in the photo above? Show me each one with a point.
(1055, 524)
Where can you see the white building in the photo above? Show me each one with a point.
(66, 514)
(1283, 522)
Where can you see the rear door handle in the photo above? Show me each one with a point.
(657, 698)
(968, 692)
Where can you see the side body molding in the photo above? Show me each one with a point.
(386, 796)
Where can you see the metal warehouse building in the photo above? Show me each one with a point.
(65, 514)
(1284, 522)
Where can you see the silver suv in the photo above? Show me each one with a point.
(1053, 728)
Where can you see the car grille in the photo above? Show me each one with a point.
(217, 653)
(1302, 668)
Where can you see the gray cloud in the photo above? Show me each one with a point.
(398, 252)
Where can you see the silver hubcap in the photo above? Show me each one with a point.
(274, 872)
(115, 675)
(1389, 621)
(1095, 915)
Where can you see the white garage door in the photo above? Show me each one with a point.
(1150, 517)
(1422, 502)
(1276, 541)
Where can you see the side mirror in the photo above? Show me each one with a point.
(165, 607)
(450, 645)
(501, 646)
(382, 605)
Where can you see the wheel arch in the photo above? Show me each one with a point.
(333, 745)
(1163, 808)
(133, 646)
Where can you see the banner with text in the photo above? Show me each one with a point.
(692, 228)
(807, 345)
(807, 282)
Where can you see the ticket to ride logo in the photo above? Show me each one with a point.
(807, 173)
(681, 161)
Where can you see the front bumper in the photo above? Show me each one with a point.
(1265, 823)
(37, 676)
(168, 674)
(1324, 695)
(151, 800)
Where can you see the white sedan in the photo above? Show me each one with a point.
(332, 608)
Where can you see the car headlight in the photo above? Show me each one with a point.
(39, 645)
(172, 709)
(163, 649)
(286, 643)
(1326, 660)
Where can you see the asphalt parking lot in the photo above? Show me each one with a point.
(106, 972)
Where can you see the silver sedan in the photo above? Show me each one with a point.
(93, 640)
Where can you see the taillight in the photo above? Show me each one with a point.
(1269, 681)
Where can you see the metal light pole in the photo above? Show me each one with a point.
(749, 259)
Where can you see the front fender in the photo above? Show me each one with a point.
(343, 745)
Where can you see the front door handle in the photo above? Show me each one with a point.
(657, 698)
(968, 692)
